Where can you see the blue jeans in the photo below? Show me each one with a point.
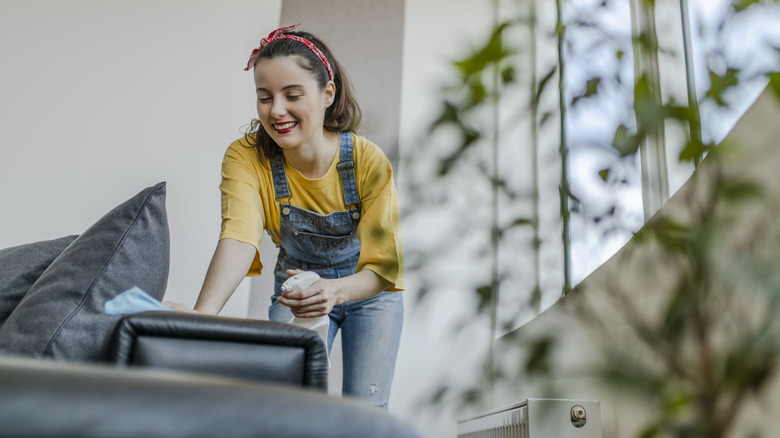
(370, 334)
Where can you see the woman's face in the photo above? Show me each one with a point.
(290, 104)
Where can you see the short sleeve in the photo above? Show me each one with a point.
(242, 207)
(379, 230)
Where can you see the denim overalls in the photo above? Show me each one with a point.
(329, 246)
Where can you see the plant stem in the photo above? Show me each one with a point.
(564, 188)
(693, 101)
(537, 292)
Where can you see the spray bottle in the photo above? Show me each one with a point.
(320, 324)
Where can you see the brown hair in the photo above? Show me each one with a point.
(342, 115)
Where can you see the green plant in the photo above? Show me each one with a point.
(694, 365)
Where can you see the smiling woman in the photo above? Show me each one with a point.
(327, 198)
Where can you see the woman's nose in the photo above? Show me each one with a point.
(278, 109)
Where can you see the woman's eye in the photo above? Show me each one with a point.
(263, 99)
(294, 97)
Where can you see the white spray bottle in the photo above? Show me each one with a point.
(320, 324)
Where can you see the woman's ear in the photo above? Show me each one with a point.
(329, 94)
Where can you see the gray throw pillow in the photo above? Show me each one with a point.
(21, 265)
(62, 315)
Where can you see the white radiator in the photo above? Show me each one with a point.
(536, 418)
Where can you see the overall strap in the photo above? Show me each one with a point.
(346, 169)
(280, 178)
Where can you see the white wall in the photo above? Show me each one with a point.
(99, 100)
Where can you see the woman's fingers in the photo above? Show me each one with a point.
(309, 314)
(178, 307)
(300, 302)
(311, 310)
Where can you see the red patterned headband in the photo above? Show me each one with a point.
(280, 34)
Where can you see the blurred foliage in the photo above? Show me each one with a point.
(715, 343)
(475, 88)
(467, 119)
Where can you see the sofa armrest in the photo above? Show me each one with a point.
(44, 398)
(244, 348)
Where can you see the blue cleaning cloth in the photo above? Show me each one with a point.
(134, 300)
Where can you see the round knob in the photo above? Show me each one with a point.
(578, 413)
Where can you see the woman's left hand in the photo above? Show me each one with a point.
(315, 300)
(178, 307)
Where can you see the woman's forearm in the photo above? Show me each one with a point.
(228, 267)
(362, 285)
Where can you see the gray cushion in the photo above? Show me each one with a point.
(21, 265)
(62, 315)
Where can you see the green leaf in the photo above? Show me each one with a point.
(508, 75)
(468, 138)
(677, 317)
(438, 395)
(538, 361)
(604, 174)
(544, 118)
(520, 221)
(536, 294)
(477, 93)
(774, 83)
(592, 86)
(543, 83)
(674, 236)
(677, 112)
(651, 431)
(647, 106)
(492, 52)
(650, 112)
(720, 84)
(749, 364)
(575, 207)
(560, 29)
(449, 114)
(694, 150)
(741, 191)
(624, 142)
(741, 5)
(485, 297)
(646, 42)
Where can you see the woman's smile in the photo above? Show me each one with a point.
(284, 127)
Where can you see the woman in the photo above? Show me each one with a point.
(327, 199)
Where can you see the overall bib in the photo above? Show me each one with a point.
(329, 245)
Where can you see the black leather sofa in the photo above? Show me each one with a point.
(69, 368)
(185, 375)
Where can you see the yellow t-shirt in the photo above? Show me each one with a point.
(249, 204)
